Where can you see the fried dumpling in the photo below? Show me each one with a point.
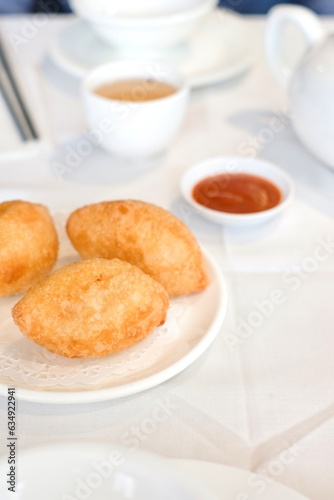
(28, 245)
(92, 308)
(144, 235)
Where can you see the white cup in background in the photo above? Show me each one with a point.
(135, 129)
(147, 24)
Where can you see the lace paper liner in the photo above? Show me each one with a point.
(26, 363)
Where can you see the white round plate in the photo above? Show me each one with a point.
(232, 484)
(218, 51)
(97, 470)
(38, 375)
(94, 469)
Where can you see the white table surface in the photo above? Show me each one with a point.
(244, 403)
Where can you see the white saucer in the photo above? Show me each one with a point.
(220, 50)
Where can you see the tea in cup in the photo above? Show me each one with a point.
(139, 106)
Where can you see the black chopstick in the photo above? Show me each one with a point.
(14, 100)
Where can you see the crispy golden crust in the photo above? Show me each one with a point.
(92, 308)
(28, 245)
(144, 235)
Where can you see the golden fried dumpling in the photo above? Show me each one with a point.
(144, 235)
(92, 308)
(28, 245)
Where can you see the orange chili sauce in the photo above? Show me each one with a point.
(237, 193)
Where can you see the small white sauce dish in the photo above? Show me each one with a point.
(237, 165)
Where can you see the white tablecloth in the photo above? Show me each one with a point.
(266, 385)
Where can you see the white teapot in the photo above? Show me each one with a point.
(310, 85)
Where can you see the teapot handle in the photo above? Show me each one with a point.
(278, 17)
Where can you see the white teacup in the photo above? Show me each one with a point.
(135, 129)
(145, 25)
(137, 7)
